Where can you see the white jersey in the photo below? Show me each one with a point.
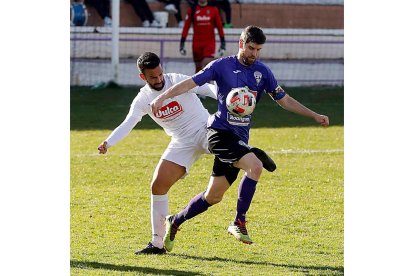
(181, 117)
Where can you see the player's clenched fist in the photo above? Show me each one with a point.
(103, 148)
(156, 104)
(323, 120)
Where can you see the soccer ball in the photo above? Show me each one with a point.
(240, 101)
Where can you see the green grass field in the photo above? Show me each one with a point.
(296, 219)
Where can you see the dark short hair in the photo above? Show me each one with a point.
(147, 60)
(253, 34)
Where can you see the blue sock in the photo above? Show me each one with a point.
(196, 206)
(247, 188)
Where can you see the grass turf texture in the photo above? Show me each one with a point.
(295, 220)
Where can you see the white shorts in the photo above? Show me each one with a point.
(185, 152)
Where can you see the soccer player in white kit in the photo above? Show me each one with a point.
(184, 118)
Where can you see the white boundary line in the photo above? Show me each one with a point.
(304, 151)
(290, 151)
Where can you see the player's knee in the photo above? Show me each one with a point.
(255, 169)
(157, 188)
(213, 198)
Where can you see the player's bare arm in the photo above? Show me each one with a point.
(290, 104)
(173, 91)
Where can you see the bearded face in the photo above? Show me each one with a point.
(154, 78)
(249, 52)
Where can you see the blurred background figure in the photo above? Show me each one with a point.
(173, 6)
(224, 5)
(144, 12)
(204, 20)
(78, 14)
(103, 9)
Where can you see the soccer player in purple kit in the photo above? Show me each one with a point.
(228, 136)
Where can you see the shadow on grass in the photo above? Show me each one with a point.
(126, 268)
(304, 269)
(107, 108)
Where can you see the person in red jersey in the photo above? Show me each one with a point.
(204, 19)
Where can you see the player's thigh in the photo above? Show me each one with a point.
(203, 49)
(165, 175)
(251, 165)
(197, 53)
(209, 49)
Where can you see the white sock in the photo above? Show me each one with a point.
(159, 210)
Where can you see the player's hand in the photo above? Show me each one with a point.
(221, 52)
(103, 148)
(222, 47)
(156, 104)
(183, 52)
(323, 120)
